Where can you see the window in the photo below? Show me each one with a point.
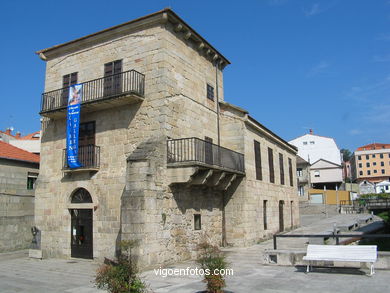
(381, 156)
(367, 164)
(31, 178)
(375, 171)
(382, 164)
(290, 172)
(305, 143)
(271, 165)
(360, 173)
(281, 169)
(210, 92)
(265, 223)
(312, 142)
(208, 149)
(360, 165)
(299, 172)
(367, 157)
(368, 172)
(387, 187)
(373, 155)
(259, 175)
(383, 171)
(316, 173)
(197, 222)
(301, 190)
(374, 163)
(359, 157)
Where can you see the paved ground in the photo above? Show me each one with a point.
(21, 274)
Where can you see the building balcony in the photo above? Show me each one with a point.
(102, 93)
(89, 158)
(198, 162)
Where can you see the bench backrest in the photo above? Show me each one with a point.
(343, 252)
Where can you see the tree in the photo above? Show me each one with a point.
(347, 155)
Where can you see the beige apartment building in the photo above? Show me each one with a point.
(165, 159)
(371, 163)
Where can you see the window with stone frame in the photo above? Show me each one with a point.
(259, 175)
(281, 169)
(31, 178)
(271, 165)
(210, 92)
(197, 222)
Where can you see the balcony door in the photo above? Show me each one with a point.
(208, 150)
(67, 81)
(112, 78)
(87, 143)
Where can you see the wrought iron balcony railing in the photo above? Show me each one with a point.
(89, 158)
(124, 83)
(196, 150)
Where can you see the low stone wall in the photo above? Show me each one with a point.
(16, 220)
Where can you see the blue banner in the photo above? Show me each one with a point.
(73, 123)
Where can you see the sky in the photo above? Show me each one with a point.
(296, 64)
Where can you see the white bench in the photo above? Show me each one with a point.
(343, 253)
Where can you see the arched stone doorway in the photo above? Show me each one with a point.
(81, 224)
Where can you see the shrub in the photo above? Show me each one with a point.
(211, 258)
(121, 276)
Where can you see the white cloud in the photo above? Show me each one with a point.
(313, 10)
(317, 69)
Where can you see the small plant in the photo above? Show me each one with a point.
(121, 276)
(212, 260)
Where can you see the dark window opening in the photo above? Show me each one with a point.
(271, 165)
(265, 215)
(210, 92)
(281, 169)
(290, 172)
(31, 178)
(197, 222)
(259, 175)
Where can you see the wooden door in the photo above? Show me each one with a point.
(112, 78)
(281, 216)
(208, 150)
(87, 143)
(67, 81)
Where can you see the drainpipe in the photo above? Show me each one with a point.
(217, 96)
(224, 242)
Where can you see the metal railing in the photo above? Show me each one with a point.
(368, 203)
(98, 89)
(88, 156)
(194, 149)
(355, 237)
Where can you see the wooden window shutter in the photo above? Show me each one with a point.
(290, 172)
(281, 167)
(271, 165)
(259, 175)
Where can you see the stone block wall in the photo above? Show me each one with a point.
(16, 205)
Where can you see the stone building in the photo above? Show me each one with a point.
(304, 182)
(166, 160)
(18, 172)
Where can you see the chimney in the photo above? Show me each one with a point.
(311, 131)
(8, 131)
(17, 134)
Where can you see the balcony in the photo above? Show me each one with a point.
(102, 93)
(198, 162)
(89, 157)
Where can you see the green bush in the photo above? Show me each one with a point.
(374, 196)
(121, 276)
(210, 258)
